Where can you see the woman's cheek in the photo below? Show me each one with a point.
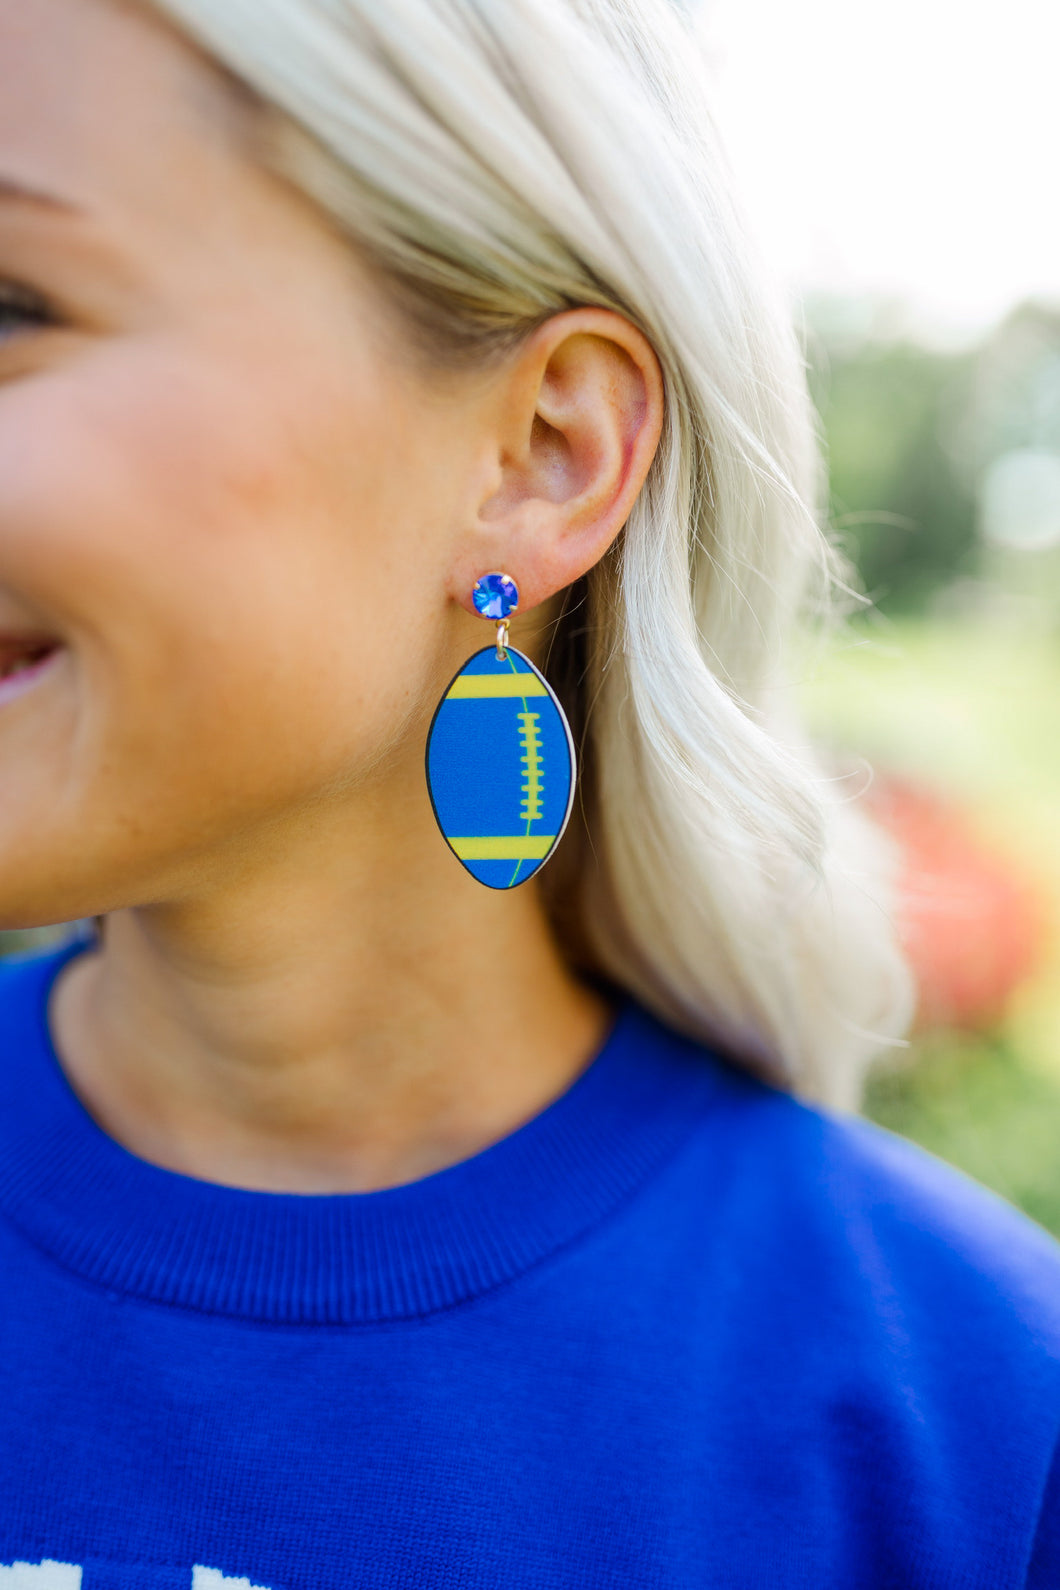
(217, 545)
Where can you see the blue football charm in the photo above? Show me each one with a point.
(500, 768)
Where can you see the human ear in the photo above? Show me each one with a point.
(573, 427)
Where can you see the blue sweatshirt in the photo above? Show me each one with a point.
(677, 1331)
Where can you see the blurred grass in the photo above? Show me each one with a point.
(972, 709)
(32, 938)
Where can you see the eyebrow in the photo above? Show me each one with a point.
(15, 192)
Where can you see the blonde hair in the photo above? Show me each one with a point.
(500, 160)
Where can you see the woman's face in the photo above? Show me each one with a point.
(225, 499)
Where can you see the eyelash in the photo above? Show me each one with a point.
(20, 306)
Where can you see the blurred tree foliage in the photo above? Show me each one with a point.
(911, 431)
(901, 504)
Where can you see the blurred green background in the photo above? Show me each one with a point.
(945, 492)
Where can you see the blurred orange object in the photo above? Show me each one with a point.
(972, 926)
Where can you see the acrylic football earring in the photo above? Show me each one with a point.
(500, 757)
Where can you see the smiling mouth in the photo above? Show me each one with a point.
(23, 658)
(17, 656)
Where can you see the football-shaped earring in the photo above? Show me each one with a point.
(500, 757)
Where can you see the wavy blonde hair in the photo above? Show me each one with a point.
(501, 160)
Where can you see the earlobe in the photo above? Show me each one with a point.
(577, 425)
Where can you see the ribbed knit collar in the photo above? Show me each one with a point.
(400, 1252)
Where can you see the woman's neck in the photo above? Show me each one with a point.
(332, 1022)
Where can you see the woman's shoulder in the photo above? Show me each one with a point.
(854, 1220)
(904, 1319)
(868, 1212)
(915, 1202)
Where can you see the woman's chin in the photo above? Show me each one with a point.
(42, 881)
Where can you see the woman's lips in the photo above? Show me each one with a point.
(24, 660)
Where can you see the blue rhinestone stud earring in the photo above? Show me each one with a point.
(500, 757)
(495, 596)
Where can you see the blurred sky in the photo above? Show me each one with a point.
(910, 149)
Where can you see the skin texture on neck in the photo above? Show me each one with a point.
(248, 519)
(310, 1033)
